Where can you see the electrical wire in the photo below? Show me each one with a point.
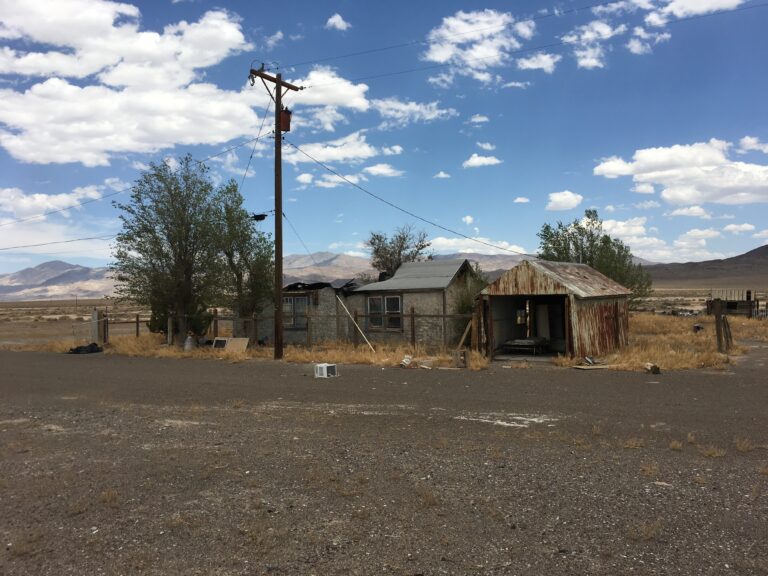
(258, 135)
(60, 242)
(403, 210)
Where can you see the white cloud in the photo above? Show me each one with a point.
(229, 164)
(621, 7)
(761, 234)
(476, 161)
(486, 146)
(468, 220)
(696, 238)
(22, 205)
(644, 188)
(274, 40)
(478, 119)
(397, 113)
(392, 150)
(565, 200)
(383, 170)
(333, 181)
(739, 228)
(539, 61)
(693, 174)
(473, 43)
(330, 89)
(623, 229)
(441, 175)
(336, 22)
(642, 41)
(610, 208)
(349, 149)
(695, 211)
(305, 178)
(443, 245)
(521, 200)
(521, 85)
(685, 8)
(647, 205)
(588, 42)
(750, 143)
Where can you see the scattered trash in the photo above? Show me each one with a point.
(88, 349)
(697, 328)
(459, 358)
(651, 368)
(189, 344)
(406, 361)
(589, 361)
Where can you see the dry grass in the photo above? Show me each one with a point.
(712, 451)
(743, 444)
(764, 470)
(645, 531)
(650, 470)
(110, 498)
(634, 443)
(690, 438)
(676, 445)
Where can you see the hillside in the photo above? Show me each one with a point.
(746, 271)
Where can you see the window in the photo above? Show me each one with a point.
(295, 312)
(385, 312)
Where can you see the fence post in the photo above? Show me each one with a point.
(354, 332)
(106, 329)
(215, 323)
(717, 310)
(137, 326)
(413, 327)
(309, 330)
(169, 337)
(473, 332)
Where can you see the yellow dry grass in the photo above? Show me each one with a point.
(670, 343)
(152, 345)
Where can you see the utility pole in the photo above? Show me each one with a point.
(277, 80)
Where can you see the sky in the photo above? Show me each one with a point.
(476, 122)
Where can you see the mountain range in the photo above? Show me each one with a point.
(63, 281)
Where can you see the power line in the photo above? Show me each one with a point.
(258, 135)
(554, 13)
(549, 46)
(60, 242)
(403, 210)
(111, 194)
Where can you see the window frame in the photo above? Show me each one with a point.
(290, 318)
(385, 320)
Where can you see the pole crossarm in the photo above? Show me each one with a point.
(274, 79)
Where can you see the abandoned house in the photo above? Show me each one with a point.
(416, 304)
(553, 307)
(313, 312)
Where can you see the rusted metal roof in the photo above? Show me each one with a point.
(426, 275)
(532, 277)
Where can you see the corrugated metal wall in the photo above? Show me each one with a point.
(600, 326)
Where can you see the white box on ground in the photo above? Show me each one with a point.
(326, 371)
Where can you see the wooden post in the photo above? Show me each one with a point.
(215, 323)
(169, 337)
(413, 327)
(354, 332)
(475, 345)
(106, 329)
(309, 330)
(717, 310)
(137, 326)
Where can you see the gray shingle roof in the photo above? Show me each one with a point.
(427, 275)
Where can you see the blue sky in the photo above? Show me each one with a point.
(488, 119)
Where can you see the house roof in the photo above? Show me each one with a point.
(426, 275)
(339, 284)
(579, 279)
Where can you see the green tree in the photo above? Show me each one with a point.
(405, 245)
(584, 241)
(181, 246)
(248, 254)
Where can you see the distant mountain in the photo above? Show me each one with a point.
(749, 270)
(63, 281)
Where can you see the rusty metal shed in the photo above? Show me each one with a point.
(557, 307)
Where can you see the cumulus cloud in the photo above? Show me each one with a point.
(693, 174)
(539, 61)
(642, 41)
(565, 200)
(750, 143)
(644, 188)
(478, 119)
(336, 22)
(305, 178)
(761, 234)
(647, 205)
(441, 175)
(588, 41)
(397, 113)
(334, 181)
(521, 200)
(695, 211)
(487, 146)
(271, 41)
(349, 149)
(443, 245)
(19, 204)
(394, 150)
(739, 228)
(515, 84)
(474, 43)
(383, 170)
(468, 220)
(330, 89)
(475, 161)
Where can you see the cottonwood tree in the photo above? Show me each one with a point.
(405, 245)
(185, 245)
(584, 241)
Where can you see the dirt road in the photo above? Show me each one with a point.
(115, 465)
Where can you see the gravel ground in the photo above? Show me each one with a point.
(114, 465)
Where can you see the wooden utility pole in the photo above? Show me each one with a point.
(277, 80)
